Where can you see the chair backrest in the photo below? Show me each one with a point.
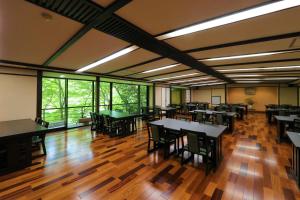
(196, 140)
(93, 118)
(106, 120)
(157, 111)
(38, 120)
(234, 108)
(199, 116)
(219, 118)
(283, 113)
(45, 124)
(156, 132)
(297, 124)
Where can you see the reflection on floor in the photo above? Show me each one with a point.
(80, 166)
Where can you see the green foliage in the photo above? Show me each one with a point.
(81, 102)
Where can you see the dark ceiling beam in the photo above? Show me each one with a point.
(219, 46)
(10, 63)
(99, 18)
(124, 30)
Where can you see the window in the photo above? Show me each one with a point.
(143, 95)
(80, 100)
(104, 95)
(125, 97)
(53, 101)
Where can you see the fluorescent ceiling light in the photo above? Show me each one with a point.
(281, 78)
(266, 79)
(161, 68)
(248, 81)
(108, 58)
(246, 56)
(231, 18)
(259, 69)
(202, 82)
(160, 79)
(243, 75)
(189, 80)
(220, 83)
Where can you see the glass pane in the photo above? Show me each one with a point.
(80, 101)
(125, 97)
(53, 101)
(143, 96)
(104, 95)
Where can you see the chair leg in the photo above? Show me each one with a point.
(44, 146)
(182, 157)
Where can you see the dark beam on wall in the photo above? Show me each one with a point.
(101, 17)
(15, 64)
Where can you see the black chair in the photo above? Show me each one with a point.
(296, 125)
(160, 137)
(109, 125)
(219, 119)
(198, 143)
(94, 124)
(38, 140)
(154, 133)
(200, 117)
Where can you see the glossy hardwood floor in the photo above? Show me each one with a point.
(82, 166)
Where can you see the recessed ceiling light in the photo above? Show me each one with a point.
(108, 58)
(62, 76)
(259, 69)
(47, 17)
(161, 68)
(231, 18)
(160, 79)
(246, 56)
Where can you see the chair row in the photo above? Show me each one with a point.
(197, 143)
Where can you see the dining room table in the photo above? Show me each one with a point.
(213, 132)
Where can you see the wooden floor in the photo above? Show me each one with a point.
(79, 166)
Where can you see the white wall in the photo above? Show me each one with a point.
(17, 97)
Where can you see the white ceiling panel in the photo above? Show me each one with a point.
(91, 47)
(129, 59)
(272, 24)
(27, 37)
(156, 16)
